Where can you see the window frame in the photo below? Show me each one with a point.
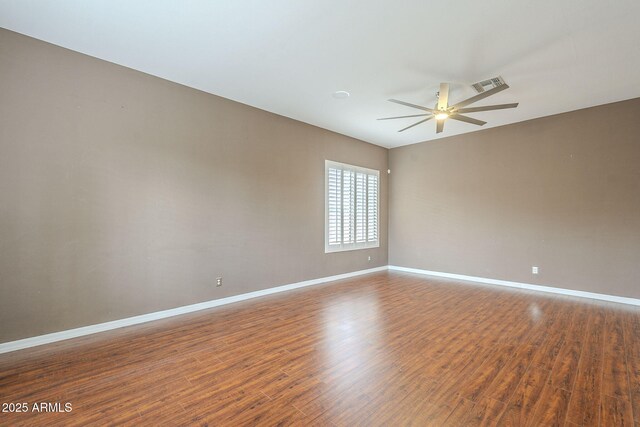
(343, 247)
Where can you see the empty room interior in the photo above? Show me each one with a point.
(335, 213)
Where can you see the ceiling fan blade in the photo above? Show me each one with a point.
(467, 119)
(487, 108)
(419, 107)
(480, 96)
(403, 117)
(416, 124)
(443, 96)
(439, 126)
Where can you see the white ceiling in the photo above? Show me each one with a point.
(289, 56)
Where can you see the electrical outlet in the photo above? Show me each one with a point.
(369, 258)
(534, 270)
(218, 281)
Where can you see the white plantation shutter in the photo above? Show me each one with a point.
(334, 202)
(372, 208)
(351, 207)
(348, 207)
(361, 207)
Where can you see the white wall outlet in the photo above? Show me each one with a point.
(534, 270)
(218, 281)
(369, 258)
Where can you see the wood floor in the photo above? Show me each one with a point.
(384, 349)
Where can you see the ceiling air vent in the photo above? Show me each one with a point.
(485, 85)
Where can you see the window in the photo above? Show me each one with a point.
(351, 200)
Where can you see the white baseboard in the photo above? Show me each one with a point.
(550, 289)
(107, 326)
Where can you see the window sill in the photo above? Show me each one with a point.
(357, 248)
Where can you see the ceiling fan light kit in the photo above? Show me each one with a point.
(444, 111)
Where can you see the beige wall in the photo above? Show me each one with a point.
(123, 194)
(561, 193)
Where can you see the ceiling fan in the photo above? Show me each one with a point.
(444, 111)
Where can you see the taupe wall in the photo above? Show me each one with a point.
(123, 194)
(561, 193)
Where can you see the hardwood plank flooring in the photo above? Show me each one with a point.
(384, 349)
